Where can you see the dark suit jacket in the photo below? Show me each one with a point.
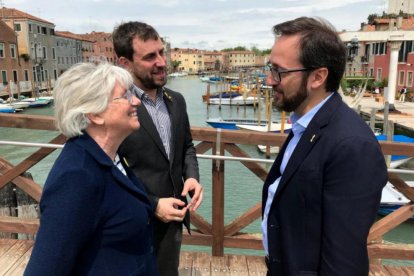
(94, 220)
(327, 198)
(146, 156)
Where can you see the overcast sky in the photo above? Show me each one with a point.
(202, 24)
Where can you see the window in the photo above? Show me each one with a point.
(1, 50)
(26, 75)
(44, 53)
(30, 28)
(38, 29)
(379, 73)
(3, 76)
(44, 30)
(409, 79)
(17, 27)
(53, 54)
(13, 50)
(34, 74)
(55, 74)
(401, 76)
(14, 76)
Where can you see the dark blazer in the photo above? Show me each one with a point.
(146, 156)
(327, 198)
(94, 219)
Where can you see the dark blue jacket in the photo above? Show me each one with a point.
(327, 198)
(94, 219)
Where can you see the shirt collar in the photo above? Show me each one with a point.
(299, 124)
(141, 93)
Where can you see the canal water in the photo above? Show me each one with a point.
(242, 188)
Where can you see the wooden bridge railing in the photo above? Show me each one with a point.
(216, 234)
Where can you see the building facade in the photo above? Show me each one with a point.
(36, 42)
(234, 60)
(188, 60)
(397, 6)
(12, 66)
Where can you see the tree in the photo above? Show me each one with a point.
(175, 64)
(371, 18)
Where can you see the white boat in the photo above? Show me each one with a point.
(273, 149)
(20, 105)
(239, 100)
(274, 127)
(5, 108)
(392, 199)
(205, 78)
(178, 74)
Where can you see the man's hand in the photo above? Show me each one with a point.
(167, 209)
(195, 190)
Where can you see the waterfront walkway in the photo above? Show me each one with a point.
(404, 118)
(15, 254)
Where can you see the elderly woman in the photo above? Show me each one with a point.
(96, 218)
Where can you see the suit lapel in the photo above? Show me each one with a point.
(169, 101)
(303, 148)
(148, 125)
(309, 139)
(128, 184)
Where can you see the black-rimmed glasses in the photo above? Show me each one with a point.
(127, 96)
(277, 72)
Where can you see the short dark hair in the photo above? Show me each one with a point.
(320, 46)
(124, 33)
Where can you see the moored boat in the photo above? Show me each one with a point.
(239, 100)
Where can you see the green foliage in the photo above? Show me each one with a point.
(254, 49)
(25, 57)
(175, 64)
(371, 18)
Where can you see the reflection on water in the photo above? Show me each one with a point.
(242, 188)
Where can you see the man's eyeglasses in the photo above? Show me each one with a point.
(127, 96)
(277, 72)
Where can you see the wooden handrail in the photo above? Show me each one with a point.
(216, 234)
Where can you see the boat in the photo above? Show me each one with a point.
(20, 105)
(205, 78)
(273, 149)
(5, 108)
(232, 123)
(223, 95)
(239, 100)
(392, 199)
(274, 127)
(178, 74)
(211, 79)
(397, 160)
(37, 102)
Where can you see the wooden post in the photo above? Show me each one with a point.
(33, 89)
(208, 94)
(282, 126)
(390, 137)
(269, 119)
(385, 121)
(372, 119)
(218, 198)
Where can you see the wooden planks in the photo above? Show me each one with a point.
(15, 254)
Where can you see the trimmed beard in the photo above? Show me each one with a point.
(290, 104)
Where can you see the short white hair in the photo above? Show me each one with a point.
(85, 89)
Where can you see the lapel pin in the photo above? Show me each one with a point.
(168, 96)
(125, 161)
(313, 138)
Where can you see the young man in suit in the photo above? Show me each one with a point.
(323, 190)
(161, 153)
